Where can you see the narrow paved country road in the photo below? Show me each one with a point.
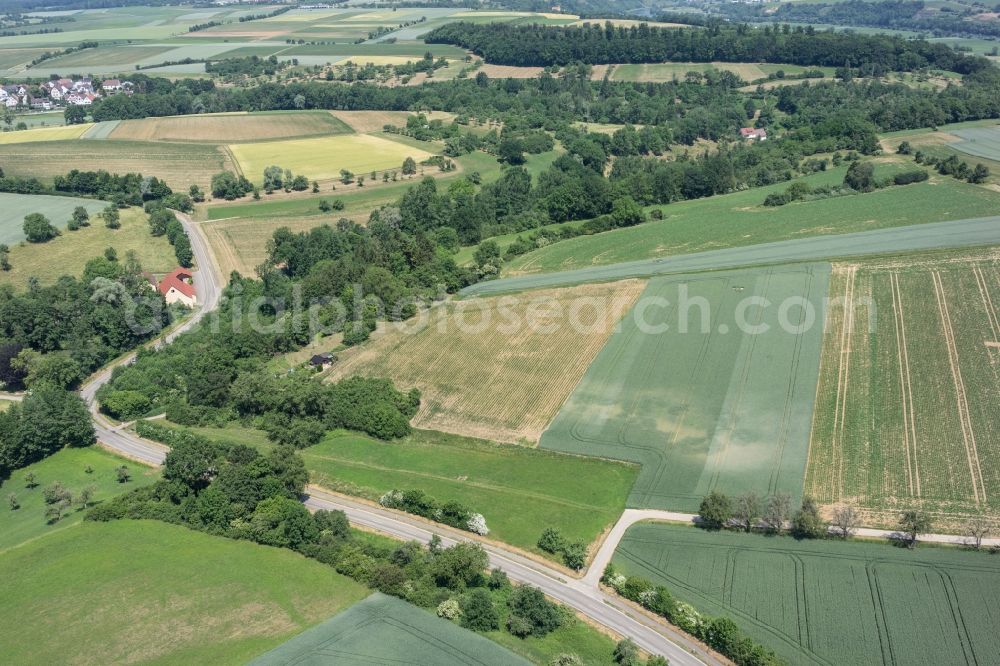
(207, 287)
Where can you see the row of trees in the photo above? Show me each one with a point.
(749, 512)
(537, 45)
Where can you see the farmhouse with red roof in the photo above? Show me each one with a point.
(176, 287)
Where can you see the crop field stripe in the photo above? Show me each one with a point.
(843, 372)
(906, 389)
(968, 436)
(741, 377)
(984, 293)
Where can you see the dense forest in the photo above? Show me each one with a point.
(534, 45)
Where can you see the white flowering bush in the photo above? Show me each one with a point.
(391, 499)
(687, 618)
(449, 609)
(477, 524)
(647, 597)
(616, 581)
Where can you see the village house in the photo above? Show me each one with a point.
(176, 287)
(753, 133)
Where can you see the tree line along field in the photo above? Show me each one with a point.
(57, 209)
(383, 629)
(519, 490)
(69, 253)
(496, 368)
(124, 592)
(705, 404)
(825, 601)
(906, 406)
(662, 72)
(740, 219)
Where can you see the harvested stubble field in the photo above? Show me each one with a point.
(497, 369)
(829, 601)
(373, 121)
(179, 164)
(386, 630)
(230, 127)
(44, 134)
(123, 592)
(907, 404)
(322, 158)
(711, 402)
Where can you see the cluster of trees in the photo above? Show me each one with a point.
(720, 633)
(60, 333)
(574, 554)
(451, 513)
(214, 376)
(130, 189)
(227, 185)
(238, 492)
(276, 178)
(954, 167)
(536, 45)
(47, 420)
(249, 66)
(860, 178)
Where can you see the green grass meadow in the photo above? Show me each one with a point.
(68, 467)
(145, 591)
(739, 219)
(714, 408)
(520, 491)
(57, 209)
(829, 601)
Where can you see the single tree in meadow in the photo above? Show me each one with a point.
(38, 228)
(409, 166)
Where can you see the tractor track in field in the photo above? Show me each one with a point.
(965, 419)
(906, 389)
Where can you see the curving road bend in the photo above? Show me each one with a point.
(209, 291)
(582, 595)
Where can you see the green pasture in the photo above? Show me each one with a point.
(145, 591)
(57, 209)
(68, 467)
(739, 219)
(383, 629)
(704, 388)
(520, 491)
(829, 601)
